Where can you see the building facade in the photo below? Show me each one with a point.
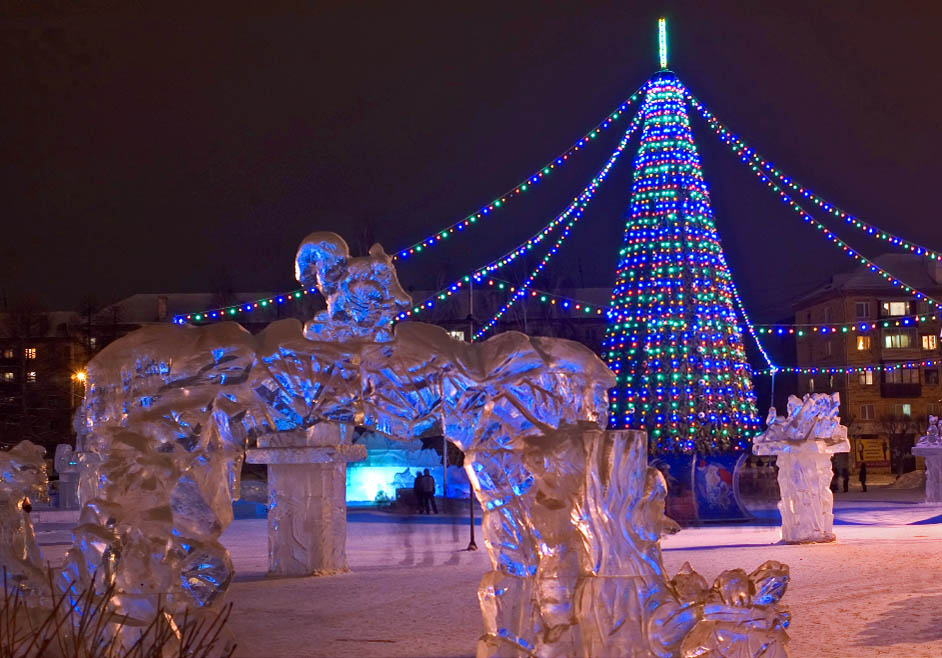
(880, 328)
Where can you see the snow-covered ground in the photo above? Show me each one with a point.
(412, 589)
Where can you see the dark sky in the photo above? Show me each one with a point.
(173, 150)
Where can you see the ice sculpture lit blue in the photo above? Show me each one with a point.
(573, 514)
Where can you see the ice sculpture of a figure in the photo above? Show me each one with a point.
(803, 443)
(310, 383)
(573, 514)
(930, 447)
(23, 479)
(363, 294)
(165, 410)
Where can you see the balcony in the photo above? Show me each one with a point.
(900, 390)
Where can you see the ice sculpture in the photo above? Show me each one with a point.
(573, 514)
(310, 383)
(930, 447)
(23, 479)
(166, 411)
(803, 443)
(363, 294)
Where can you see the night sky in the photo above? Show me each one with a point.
(167, 150)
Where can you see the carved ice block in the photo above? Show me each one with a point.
(307, 515)
(803, 443)
(933, 455)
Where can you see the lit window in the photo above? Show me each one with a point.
(866, 412)
(866, 378)
(7, 376)
(8, 354)
(811, 384)
(863, 343)
(456, 334)
(31, 376)
(905, 409)
(30, 352)
(897, 340)
(863, 310)
(930, 341)
(895, 308)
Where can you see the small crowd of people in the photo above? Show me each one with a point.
(841, 478)
(424, 489)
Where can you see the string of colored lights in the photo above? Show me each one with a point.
(862, 326)
(506, 259)
(674, 340)
(751, 328)
(584, 198)
(747, 154)
(223, 312)
(570, 215)
(852, 370)
(549, 297)
(847, 250)
(515, 191)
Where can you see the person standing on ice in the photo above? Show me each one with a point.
(427, 485)
(863, 475)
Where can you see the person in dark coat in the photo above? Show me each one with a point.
(845, 478)
(417, 491)
(428, 493)
(863, 475)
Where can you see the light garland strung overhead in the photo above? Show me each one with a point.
(747, 154)
(570, 216)
(801, 330)
(228, 312)
(515, 191)
(851, 370)
(830, 235)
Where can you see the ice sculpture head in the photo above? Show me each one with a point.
(363, 294)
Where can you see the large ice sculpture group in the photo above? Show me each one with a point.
(930, 447)
(573, 514)
(803, 443)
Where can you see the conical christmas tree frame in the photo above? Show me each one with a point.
(673, 339)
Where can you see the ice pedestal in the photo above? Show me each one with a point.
(933, 455)
(307, 516)
(930, 447)
(803, 444)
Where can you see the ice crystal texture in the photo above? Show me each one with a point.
(803, 443)
(23, 480)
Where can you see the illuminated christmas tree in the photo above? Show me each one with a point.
(673, 338)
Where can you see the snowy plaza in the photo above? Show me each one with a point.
(412, 589)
